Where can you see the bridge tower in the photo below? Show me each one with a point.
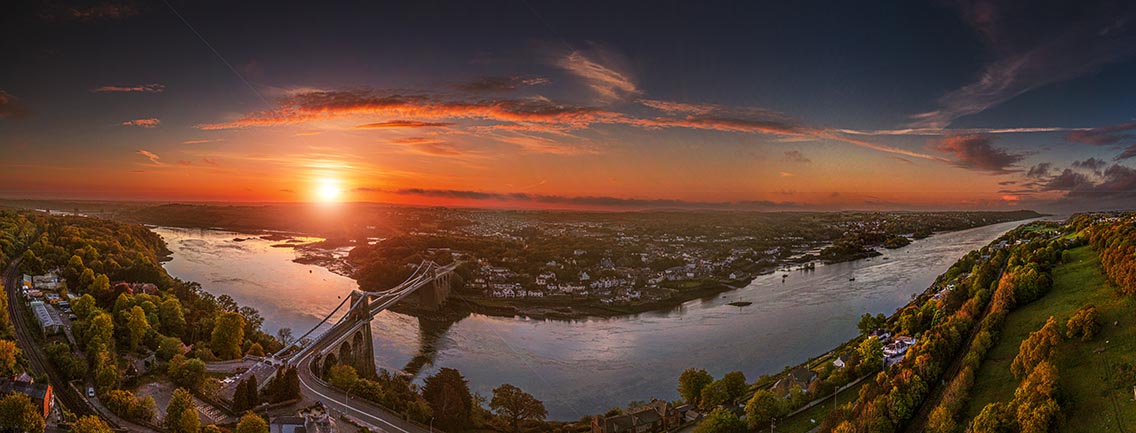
(358, 351)
(433, 296)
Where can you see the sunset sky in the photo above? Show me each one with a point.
(600, 105)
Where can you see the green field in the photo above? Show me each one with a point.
(1093, 401)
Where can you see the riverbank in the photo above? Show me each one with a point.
(460, 306)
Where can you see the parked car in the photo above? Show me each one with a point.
(91, 391)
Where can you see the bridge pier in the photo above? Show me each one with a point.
(434, 295)
(362, 344)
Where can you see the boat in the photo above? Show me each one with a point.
(851, 278)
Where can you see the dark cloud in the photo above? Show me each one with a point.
(796, 156)
(403, 124)
(1090, 164)
(1127, 153)
(500, 84)
(1102, 136)
(1068, 180)
(1040, 170)
(143, 88)
(10, 107)
(90, 11)
(976, 152)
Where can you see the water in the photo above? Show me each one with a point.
(585, 367)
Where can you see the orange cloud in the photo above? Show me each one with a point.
(604, 80)
(151, 122)
(153, 157)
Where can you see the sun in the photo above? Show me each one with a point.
(328, 191)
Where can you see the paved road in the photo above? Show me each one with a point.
(316, 390)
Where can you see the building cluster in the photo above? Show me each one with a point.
(41, 292)
(41, 394)
(894, 347)
(656, 417)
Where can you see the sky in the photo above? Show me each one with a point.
(593, 105)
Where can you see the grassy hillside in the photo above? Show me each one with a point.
(1097, 398)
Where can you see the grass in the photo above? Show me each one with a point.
(1092, 400)
(802, 422)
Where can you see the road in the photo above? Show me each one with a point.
(316, 390)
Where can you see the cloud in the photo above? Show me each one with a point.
(203, 141)
(1030, 50)
(1092, 164)
(429, 146)
(925, 132)
(1102, 136)
(537, 115)
(151, 122)
(101, 11)
(10, 107)
(328, 105)
(606, 81)
(403, 124)
(1040, 170)
(786, 174)
(1127, 153)
(672, 107)
(144, 88)
(500, 84)
(901, 159)
(976, 152)
(796, 156)
(153, 157)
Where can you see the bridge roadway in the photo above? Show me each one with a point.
(315, 388)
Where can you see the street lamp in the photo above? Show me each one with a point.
(431, 424)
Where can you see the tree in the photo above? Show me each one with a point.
(735, 385)
(1085, 323)
(84, 307)
(285, 336)
(342, 376)
(762, 408)
(691, 382)
(252, 392)
(869, 323)
(251, 423)
(168, 347)
(172, 317)
(1037, 348)
(90, 424)
(9, 354)
(255, 349)
(715, 394)
(449, 398)
(137, 325)
(240, 397)
(871, 352)
(186, 372)
(100, 332)
(181, 415)
(994, 418)
(17, 413)
(228, 334)
(721, 420)
(516, 405)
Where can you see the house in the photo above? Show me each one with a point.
(287, 424)
(839, 362)
(799, 377)
(40, 394)
(655, 417)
